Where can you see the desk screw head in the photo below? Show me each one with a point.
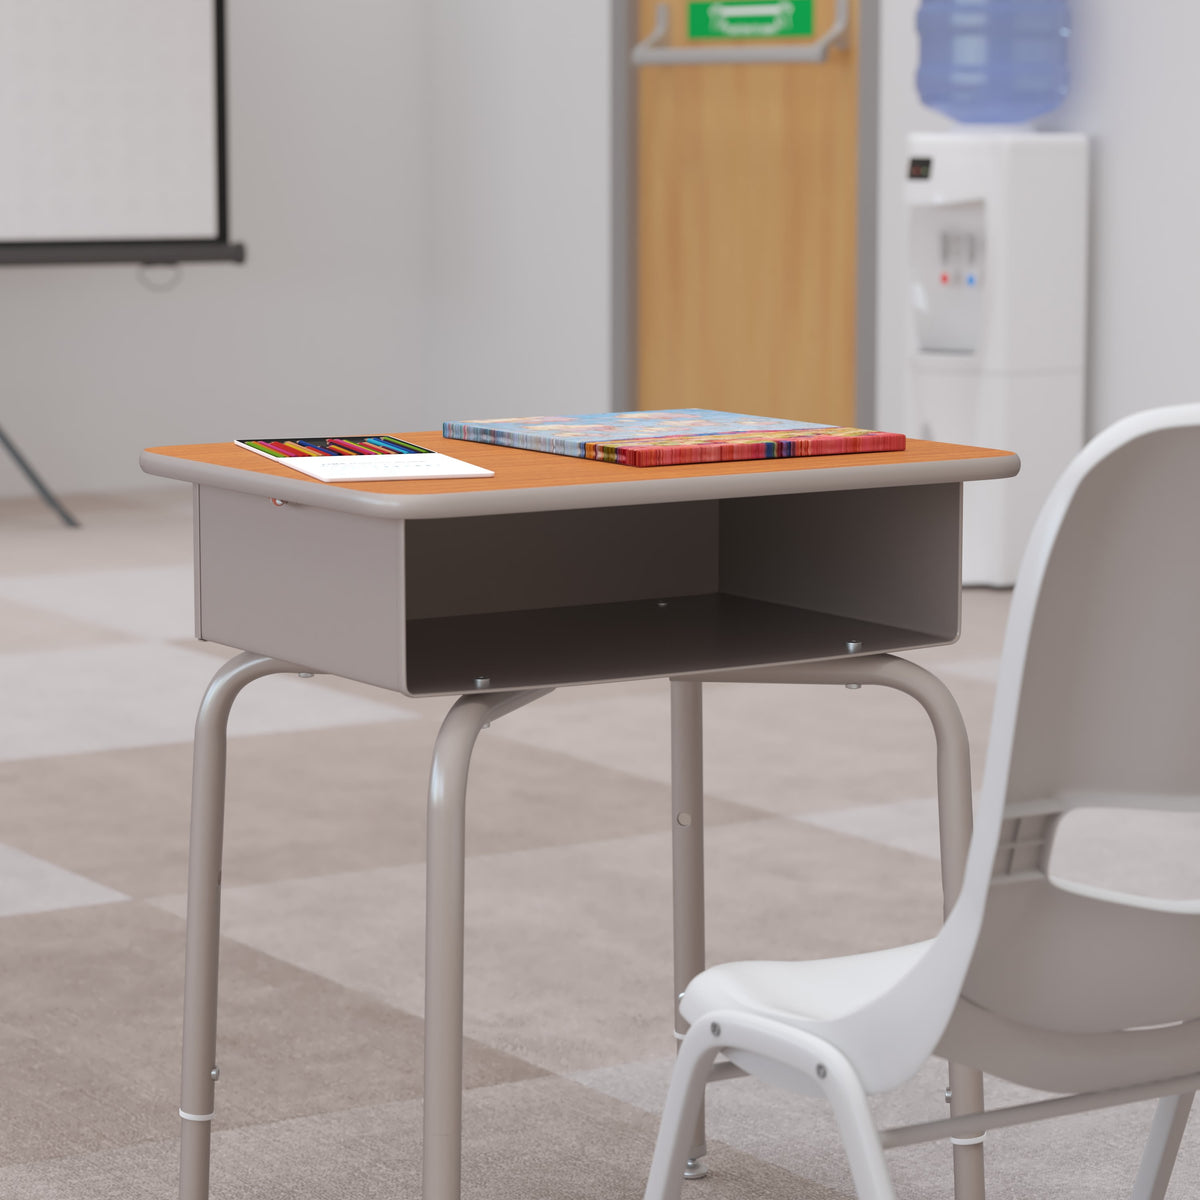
(215, 1074)
(306, 674)
(482, 681)
(853, 646)
(853, 687)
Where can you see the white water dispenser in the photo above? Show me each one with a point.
(998, 293)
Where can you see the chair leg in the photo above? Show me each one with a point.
(822, 1069)
(685, 1098)
(1162, 1148)
(966, 1096)
(872, 1180)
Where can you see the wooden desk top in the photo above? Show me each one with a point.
(527, 481)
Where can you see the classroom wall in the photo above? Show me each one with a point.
(329, 164)
(423, 191)
(1134, 90)
(519, 303)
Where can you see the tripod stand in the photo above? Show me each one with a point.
(33, 477)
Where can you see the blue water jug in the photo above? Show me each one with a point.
(993, 61)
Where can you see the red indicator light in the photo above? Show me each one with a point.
(945, 277)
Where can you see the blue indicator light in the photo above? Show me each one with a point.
(970, 281)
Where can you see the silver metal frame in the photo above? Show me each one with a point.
(687, 862)
(445, 900)
(445, 841)
(652, 52)
(954, 823)
(199, 1074)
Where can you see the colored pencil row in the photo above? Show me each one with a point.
(325, 447)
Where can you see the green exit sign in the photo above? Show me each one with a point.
(751, 19)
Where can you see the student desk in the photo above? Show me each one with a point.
(557, 571)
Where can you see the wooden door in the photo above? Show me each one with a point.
(747, 199)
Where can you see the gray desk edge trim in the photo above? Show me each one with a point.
(599, 495)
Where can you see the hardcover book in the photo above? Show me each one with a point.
(672, 436)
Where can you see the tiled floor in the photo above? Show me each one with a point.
(821, 840)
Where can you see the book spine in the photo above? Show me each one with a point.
(523, 440)
(630, 455)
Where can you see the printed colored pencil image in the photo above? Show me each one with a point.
(376, 443)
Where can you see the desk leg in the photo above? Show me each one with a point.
(687, 862)
(445, 874)
(204, 916)
(954, 823)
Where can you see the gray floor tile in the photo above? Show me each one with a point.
(84, 699)
(910, 825)
(30, 885)
(782, 749)
(545, 1139)
(90, 1035)
(146, 602)
(24, 628)
(569, 947)
(147, 527)
(314, 803)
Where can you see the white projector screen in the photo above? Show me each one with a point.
(112, 131)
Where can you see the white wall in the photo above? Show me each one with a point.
(1136, 90)
(329, 190)
(521, 207)
(423, 191)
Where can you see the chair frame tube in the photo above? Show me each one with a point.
(1062, 1106)
(954, 824)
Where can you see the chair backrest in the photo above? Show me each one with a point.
(1107, 713)
(1098, 704)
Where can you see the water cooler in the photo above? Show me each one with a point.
(998, 281)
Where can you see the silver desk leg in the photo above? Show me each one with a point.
(204, 916)
(687, 862)
(954, 821)
(445, 839)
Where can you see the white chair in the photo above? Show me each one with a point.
(1052, 985)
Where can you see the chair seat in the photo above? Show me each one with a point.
(799, 993)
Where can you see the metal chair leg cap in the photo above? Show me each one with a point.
(695, 1169)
